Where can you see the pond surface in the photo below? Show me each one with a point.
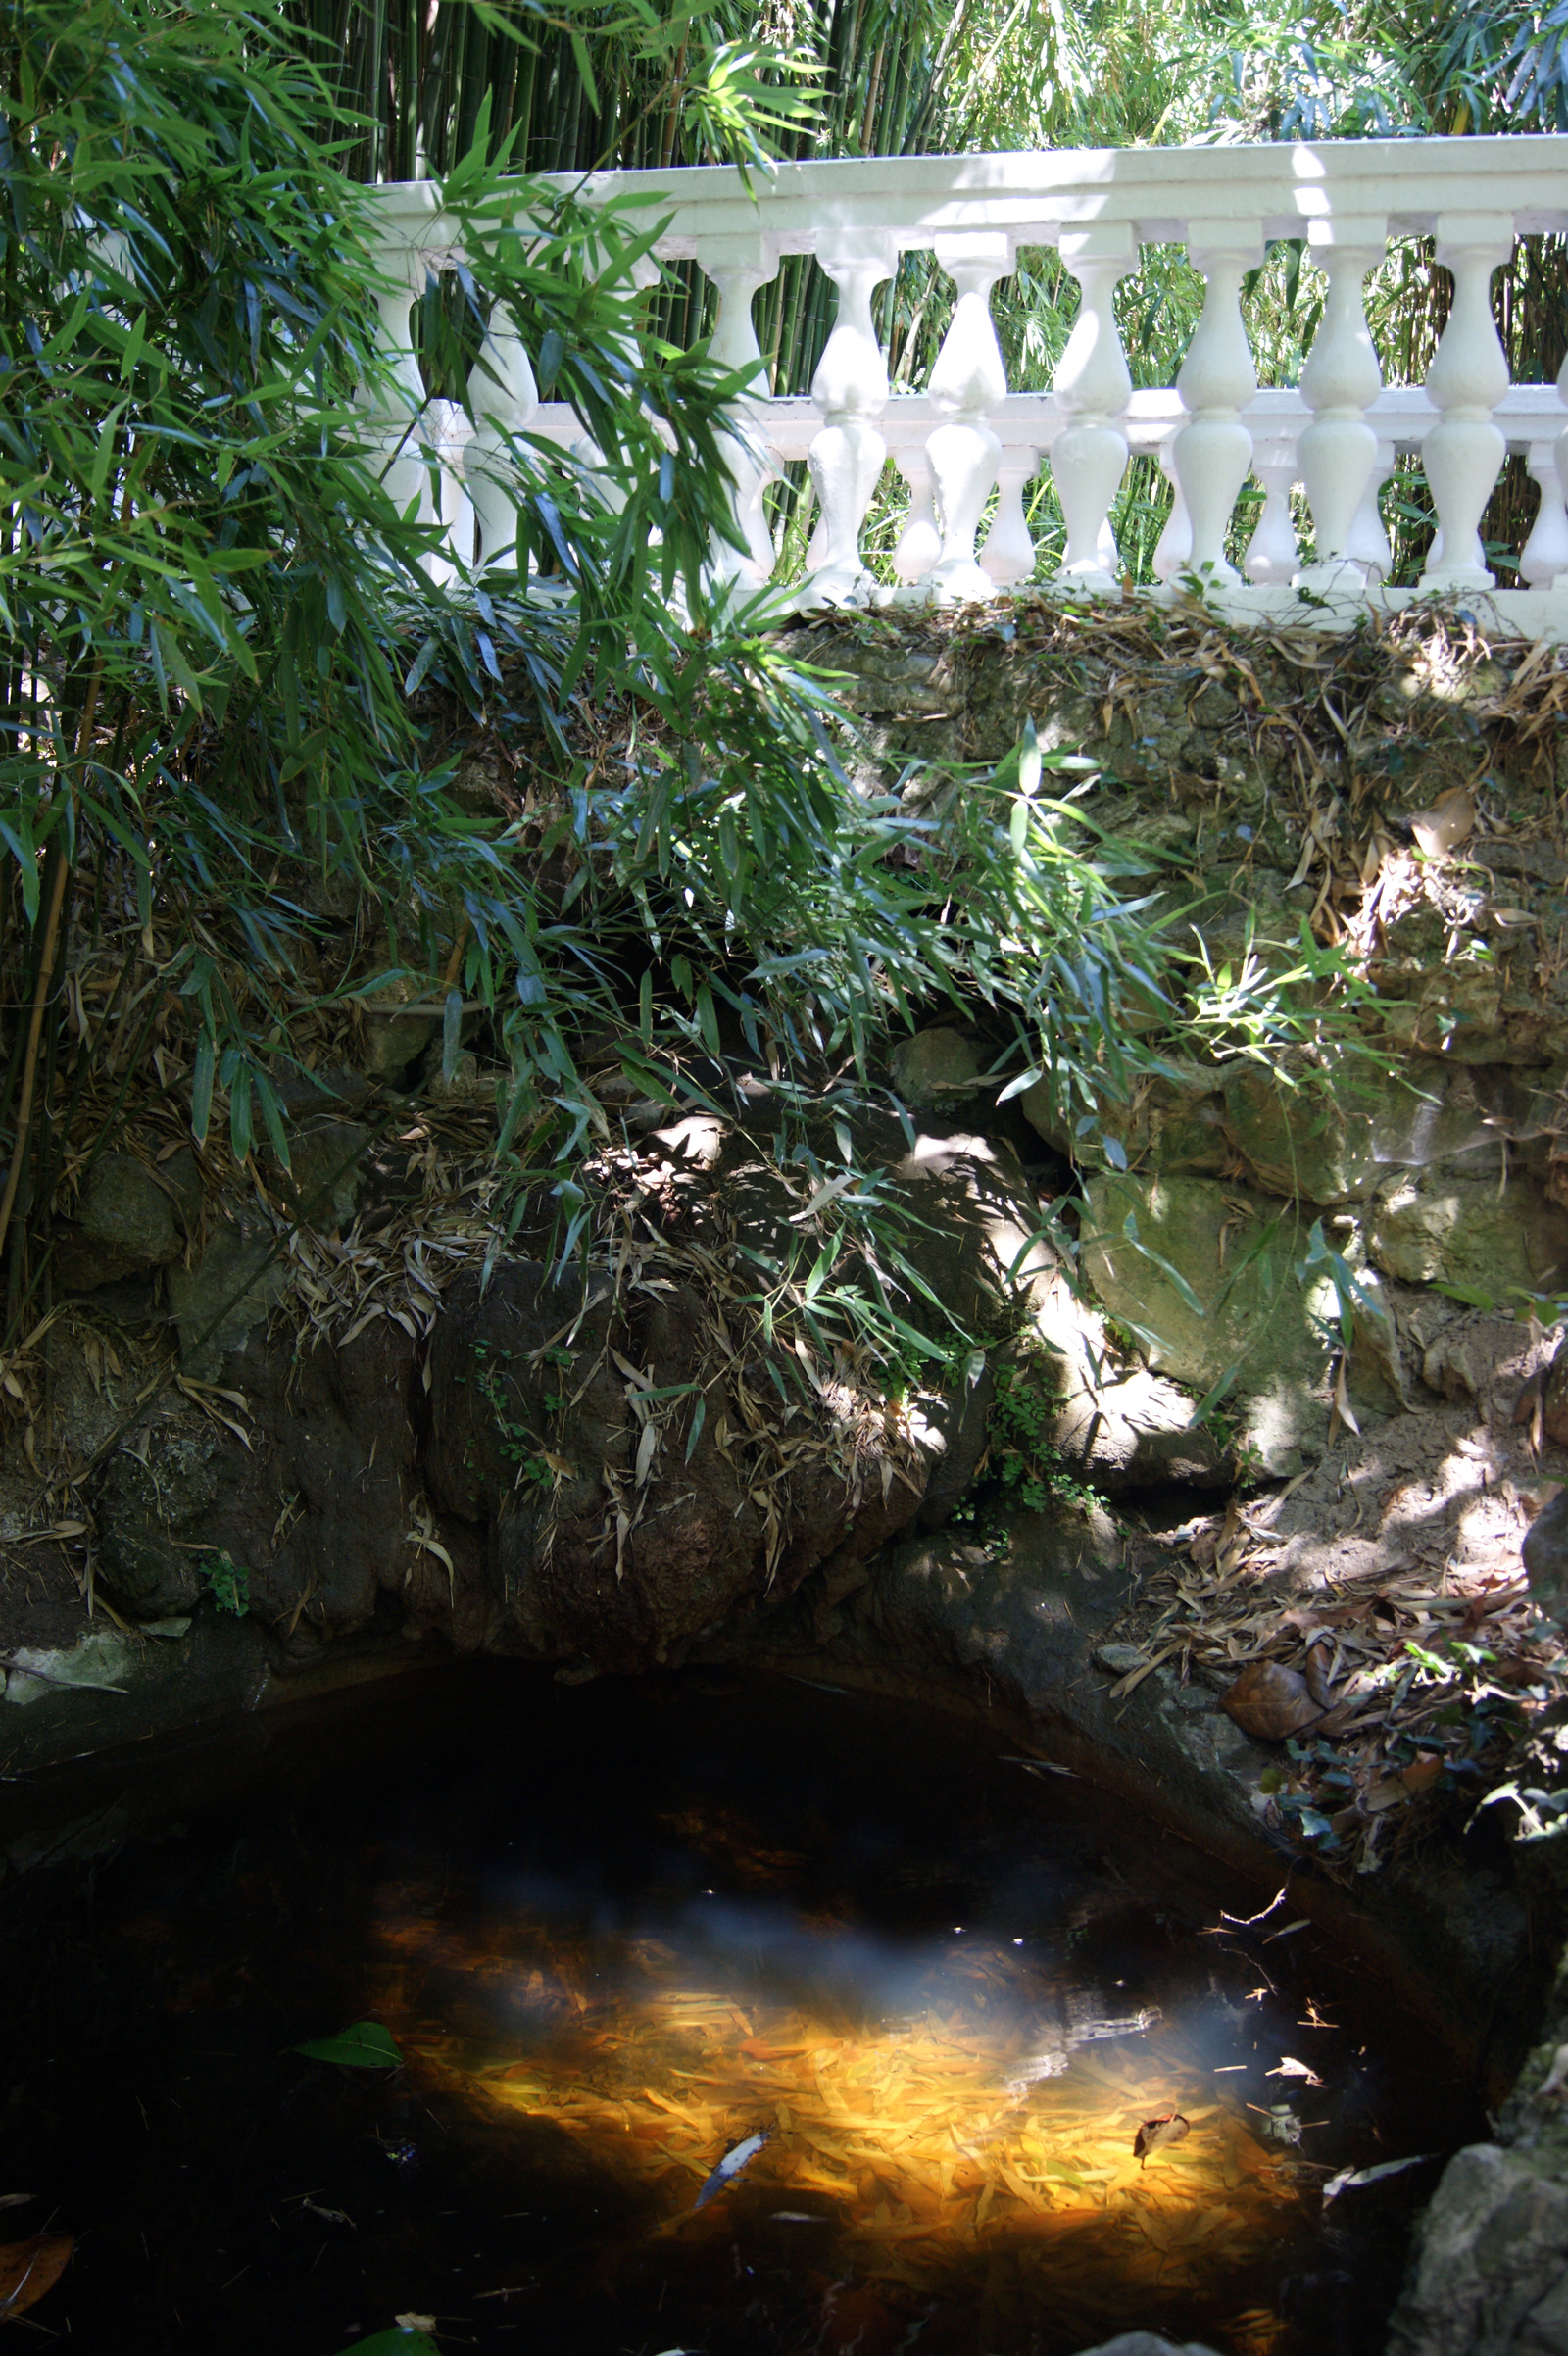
(617, 1932)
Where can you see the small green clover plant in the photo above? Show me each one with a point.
(227, 1582)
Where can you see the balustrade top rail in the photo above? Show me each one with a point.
(1336, 436)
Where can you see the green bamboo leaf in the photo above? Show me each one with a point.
(366, 2045)
(272, 1115)
(240, 1134)
(201, 1087)
(820, 1268)
(404, 2339)
(451, 1034)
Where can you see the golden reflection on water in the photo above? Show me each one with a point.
(917, 2140)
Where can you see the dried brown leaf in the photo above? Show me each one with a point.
(28, 2269)
(1394, 1791)
(1270, 1703)
(1448, 822)
(1155, 2134)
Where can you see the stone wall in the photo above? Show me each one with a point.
(1398, 796)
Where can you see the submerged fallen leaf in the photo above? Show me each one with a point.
(1446, 825)
(1269, 1702)
(1155, 2134)
(408, 2338)
(366, 2045)
(28, 2269)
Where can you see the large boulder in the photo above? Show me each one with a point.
(621, 1523)
(1326, 1136)
(595, 1475)
(1437, 1227)
(1172, 1121)
(1139, 1434)
(1203, 1276)
(226, 1292)
(327, 1161)
(128, 1219)
(309, 1488)
(935, 1069)
(1491, 2268)
(396, 1026)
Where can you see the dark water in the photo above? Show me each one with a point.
(615, 1932)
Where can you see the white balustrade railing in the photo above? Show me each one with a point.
(1335, 437)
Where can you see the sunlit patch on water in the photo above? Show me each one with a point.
(950, 2117)
(625, 1936)
(977, 2112)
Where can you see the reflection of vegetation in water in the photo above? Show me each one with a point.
(935, 2144)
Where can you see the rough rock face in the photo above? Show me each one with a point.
(1431, 1146)
(1491, 2275)
(936, 1069)
(1201, 1272)
(539, 1478)
(312, 1504)
(590, 1563)
(130, 1218)
(1148, 2344)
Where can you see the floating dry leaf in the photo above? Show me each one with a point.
(28, 2269)
(1348, 2178)
(1269, 1702)
(1155, 2134)
(730, 2166)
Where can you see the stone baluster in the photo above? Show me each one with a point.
(1463, 453)
(504, 399)
(851, 389)
(1543, 558)
(919, 543)
(1007, 553)
(1340, 382)
(1174, 549)
(1560, 458)
(738, 266)
(1369, 543)
(447, 438)
(1273, 557)
(1089, 458)
(967, 380)
(1213, 451)
(397, 406)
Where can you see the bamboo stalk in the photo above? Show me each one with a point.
(29, 1071)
